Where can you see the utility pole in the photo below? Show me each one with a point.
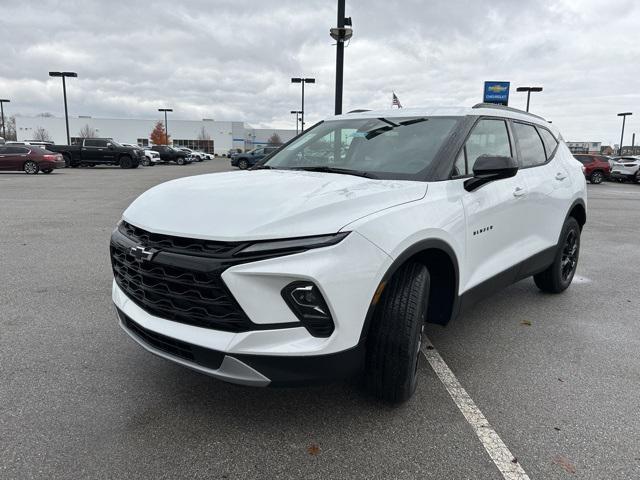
(2, 102)
(302, 81)
(64, 75)
(624, 118)
(166, 128)
(340, 34)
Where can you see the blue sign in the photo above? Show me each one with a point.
(496, 92)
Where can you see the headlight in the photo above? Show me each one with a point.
(303, 243)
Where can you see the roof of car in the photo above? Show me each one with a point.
(486, 109)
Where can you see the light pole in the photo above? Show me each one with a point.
(624, 118)
(340, 34)
(302, 81)
(166, 128)
(296, 113)
(529, 90)
(3, 101)
(64, 75)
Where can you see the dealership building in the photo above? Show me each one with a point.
(206, 134)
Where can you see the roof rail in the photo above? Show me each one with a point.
(502, 107)
(360, 110)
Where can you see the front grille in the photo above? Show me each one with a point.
(193, 353)
(183, 281)
(184, 245)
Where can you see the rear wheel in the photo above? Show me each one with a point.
(243, 164)
(67, 159)
(636, 177)
(125, 161)
(146, 162)
(393, 344)
(596, 177)
(559, 275)
(30, 167)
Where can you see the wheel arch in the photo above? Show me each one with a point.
(441, 261)
(578, 211)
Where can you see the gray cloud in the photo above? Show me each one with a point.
(232, 60)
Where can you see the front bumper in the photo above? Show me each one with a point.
(250, 370)
(622, 175)
(347, 274)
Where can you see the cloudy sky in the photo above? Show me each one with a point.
(233, 59)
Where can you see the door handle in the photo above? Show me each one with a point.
(519, 191)
(560, 176)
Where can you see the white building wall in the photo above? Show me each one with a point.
(225, 135)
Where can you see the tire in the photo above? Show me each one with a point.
(596, 177)
(30, 167)
(125, 161)
(180, 161)
(395, 337)
(243, 164)
(636, 177)
(47, 171)
(558, 276)
(67, 160)
(146, 162)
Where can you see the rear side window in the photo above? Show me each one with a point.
(550, 142)
(489, 137)
(531, 147)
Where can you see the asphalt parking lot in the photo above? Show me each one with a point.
(557, 377)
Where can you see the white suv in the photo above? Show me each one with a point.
(315, 266)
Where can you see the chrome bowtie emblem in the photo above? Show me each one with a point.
(141, 253)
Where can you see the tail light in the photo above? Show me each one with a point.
(51, 158)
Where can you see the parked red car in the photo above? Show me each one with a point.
(29, 159)
(596, 167)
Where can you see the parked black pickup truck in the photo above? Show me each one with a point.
(99, 151)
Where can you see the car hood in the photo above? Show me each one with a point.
(263, 204)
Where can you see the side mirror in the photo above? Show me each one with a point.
(488, 169)
(110, 146)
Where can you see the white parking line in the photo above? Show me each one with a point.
(492, 443)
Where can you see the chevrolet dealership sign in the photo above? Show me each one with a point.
(496, 92)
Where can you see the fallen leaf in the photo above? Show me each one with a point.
(313, 449)
(556, 429)
(564, 463)
(429, 347)
(526, 322)
(560, 380)
(514, 460)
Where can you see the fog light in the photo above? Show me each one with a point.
(305, 300)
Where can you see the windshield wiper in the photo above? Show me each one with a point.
(344, 171)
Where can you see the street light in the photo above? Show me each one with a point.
(64, 93)
(2, 101)
(302, 81)
(296, 113)
(166, 129)
(624, 118)
(528, 90)
(340, 34)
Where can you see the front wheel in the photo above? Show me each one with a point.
(243, 164)
(596, 177)
(559, 275)
(393, 344)
(30, 167)
(180, 161)
(146, 162)
(125, 162)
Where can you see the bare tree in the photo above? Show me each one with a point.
(10, 128)
(41, 134)
(87, 132)
(275, 139)
(203, 135)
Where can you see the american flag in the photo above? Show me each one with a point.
(395, 101)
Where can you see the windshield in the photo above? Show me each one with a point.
(391, 148)
(115, 144)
